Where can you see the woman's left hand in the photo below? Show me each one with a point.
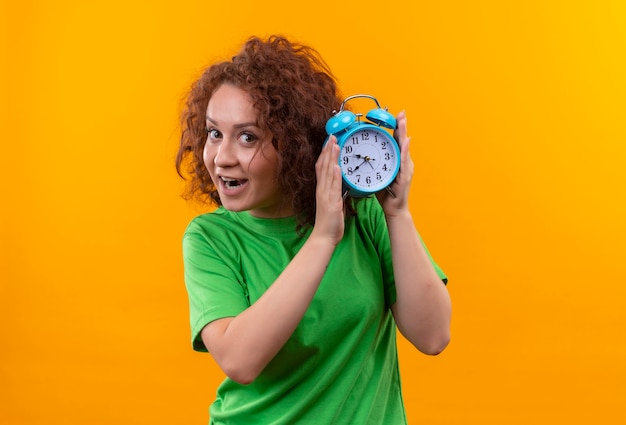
(399, 201)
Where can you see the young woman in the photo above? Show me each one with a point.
(295, 291)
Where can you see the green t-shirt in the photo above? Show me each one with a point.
(340, 366)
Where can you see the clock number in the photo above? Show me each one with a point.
(385, 167)
(350, 171)
(355, 140)
(358, 178)
(368, 180)
(346, 160)
(365, 136)
(387, 156)
(348, 149)
(378, 176)
(383, 145)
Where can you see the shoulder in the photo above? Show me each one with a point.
(204, 222)
(368, 205)
(369, 211)
(214, 229)
(369, 222)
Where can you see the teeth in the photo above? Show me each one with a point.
(230, 182)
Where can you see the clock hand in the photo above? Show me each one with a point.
(359, 156)
(365, 159)
(368, 159)
(359, 166)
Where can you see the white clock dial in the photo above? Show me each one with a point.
(369, 159)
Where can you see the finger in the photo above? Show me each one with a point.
(334, 171)
(327, 159)
(405, 155)
(322, 160)
(400, 130)
(402, 137)
(331, 156)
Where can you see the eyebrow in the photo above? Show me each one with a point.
(240, 125)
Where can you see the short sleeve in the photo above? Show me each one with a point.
(383, 244)
(440, 272)
(214, 285)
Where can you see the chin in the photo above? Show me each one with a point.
(233, 207)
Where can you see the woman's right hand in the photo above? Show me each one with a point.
(329, 214)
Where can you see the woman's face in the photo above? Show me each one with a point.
(240, 157)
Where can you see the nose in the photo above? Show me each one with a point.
(225, 155)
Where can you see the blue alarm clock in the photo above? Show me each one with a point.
(369, 155)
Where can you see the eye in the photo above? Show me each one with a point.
(248, 138)
(213, 134)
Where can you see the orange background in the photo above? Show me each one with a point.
(517, 115)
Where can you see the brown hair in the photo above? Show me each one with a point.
(294, 93)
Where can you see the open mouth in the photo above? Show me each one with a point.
(232, 183)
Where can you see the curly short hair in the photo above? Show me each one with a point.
(294, 94)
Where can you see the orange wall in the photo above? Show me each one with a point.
(517, 115)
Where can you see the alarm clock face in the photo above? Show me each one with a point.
(369, 159)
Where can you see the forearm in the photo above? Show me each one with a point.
(422, 309)
(252, 339)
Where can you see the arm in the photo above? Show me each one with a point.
(422, 309)
(243, 345)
